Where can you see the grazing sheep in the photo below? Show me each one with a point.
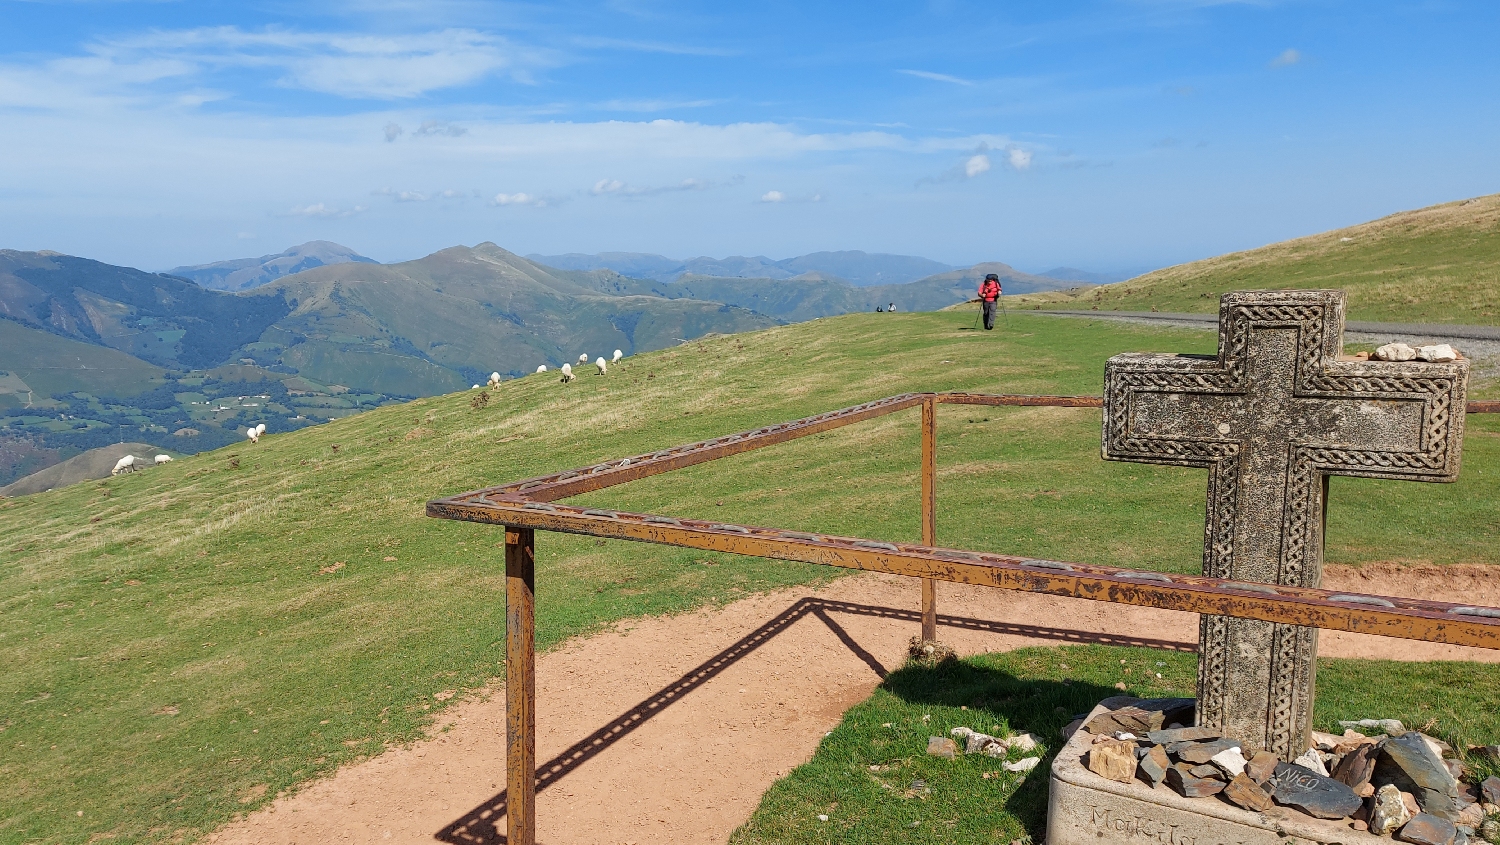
(599, 362)
(494, 380)
(125, 464)
(567, 371)
(583, 358)
(163, 459)
(475, 387)
(541, 368)
(252, 434)
(260, 429)
(618, 356)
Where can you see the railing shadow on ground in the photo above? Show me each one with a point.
(480, 826)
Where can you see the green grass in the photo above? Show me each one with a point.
(862, 774)
(51, 364)
(211, 587)
(1436, 265)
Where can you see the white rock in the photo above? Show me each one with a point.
(822, 818)
(995, 749)
(1394, 352)
(1124, 735)
(1441, 353)
(960, 733)
(1025, 765)
(1312, 761)
(1231, 760)
(1023, 742)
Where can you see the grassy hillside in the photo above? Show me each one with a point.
(181, 645)
(441, 322)
(1438, 265)
(93, 464)
(37, 364)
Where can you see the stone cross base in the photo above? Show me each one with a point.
(1086, 809)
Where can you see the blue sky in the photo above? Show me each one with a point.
(1105, 135)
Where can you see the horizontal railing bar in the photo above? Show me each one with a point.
(527, 504)
(1341, 611)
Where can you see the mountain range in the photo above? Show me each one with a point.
(95, 354)
(245, 273)
(858, 268)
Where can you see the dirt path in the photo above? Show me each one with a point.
(668, 730)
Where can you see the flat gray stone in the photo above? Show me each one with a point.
(1200, 752)
(1271, 417)
(1153, 765)
(1489, 788)
(1189, 786)
(1427, 829)
(1318, 796)
(1409, 763)
(1167, 736)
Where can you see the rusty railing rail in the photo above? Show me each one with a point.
(527, 506)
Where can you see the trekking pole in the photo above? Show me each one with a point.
(1003, 312)
(978, 312)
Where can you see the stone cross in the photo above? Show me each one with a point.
(1271, 418)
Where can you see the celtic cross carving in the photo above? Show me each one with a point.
(1271, 418)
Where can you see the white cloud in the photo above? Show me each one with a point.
(976, 165)
(1018, 158)
(615, 186)
(1287, 58)
(319, 209)
(520, 199)
(937, 77)
(440, 127)
(773, 196)
(393, 131)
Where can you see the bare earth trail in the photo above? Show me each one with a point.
(669, 729)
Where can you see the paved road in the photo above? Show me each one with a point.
(1433, 330)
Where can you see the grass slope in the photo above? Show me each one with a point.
(1438, 265)
(181, 645)
(93, 464)
(43, 364)
(861, 775)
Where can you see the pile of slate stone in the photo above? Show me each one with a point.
(1399, 782)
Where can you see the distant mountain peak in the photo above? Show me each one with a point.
(241, 274)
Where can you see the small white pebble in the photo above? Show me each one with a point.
(886, 725)
(822, 817)
(1158, 676)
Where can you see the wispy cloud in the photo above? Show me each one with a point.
(773, 196)
(937, 77)
(652, 47)
(1287, 58)
(976, 165)
(1018, 158)
(614, 187)
(322, 210)
(351, 65)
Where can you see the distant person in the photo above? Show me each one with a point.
(989, 293)
(891, 309)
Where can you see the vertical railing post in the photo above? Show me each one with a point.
(520, 686)
(929, 512)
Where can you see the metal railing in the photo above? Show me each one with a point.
(527, 506)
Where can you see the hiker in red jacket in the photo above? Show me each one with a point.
(989, 292)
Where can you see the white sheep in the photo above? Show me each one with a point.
(260, 429)
(599, 362)
(163, 459)
(618, 356)
(475, 387)
(125, 464)
(252, 434)
(541, 368)
(567, 370)
(583, 358)
(494, 380)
